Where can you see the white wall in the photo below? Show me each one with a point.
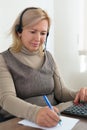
(9, 10)
(66, 42)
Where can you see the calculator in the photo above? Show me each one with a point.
(79, 109)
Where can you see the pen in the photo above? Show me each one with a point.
(48, 102)
(50, 106)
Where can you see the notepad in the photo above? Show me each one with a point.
(67, 124)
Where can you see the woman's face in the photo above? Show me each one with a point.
(32, 37)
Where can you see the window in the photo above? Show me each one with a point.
(83, 35)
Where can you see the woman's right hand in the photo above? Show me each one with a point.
(47, 117)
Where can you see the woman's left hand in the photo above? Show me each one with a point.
(81, 95)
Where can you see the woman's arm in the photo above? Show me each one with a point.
(8, 99)
(62, 93)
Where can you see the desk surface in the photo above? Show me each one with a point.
(13, 125)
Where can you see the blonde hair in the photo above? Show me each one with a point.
(30, 16)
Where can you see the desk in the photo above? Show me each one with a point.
(12, 124)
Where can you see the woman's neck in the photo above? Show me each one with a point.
(27, 52)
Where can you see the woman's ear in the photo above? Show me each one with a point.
(19, 34)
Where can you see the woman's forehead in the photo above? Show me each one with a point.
(43, 24)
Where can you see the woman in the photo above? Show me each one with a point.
(28, 71)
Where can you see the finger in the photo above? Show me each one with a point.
(85, 95)
(51, 121)
(76, 100)
(54, 116)
(56, 109)
(46, 122)
(82, 95)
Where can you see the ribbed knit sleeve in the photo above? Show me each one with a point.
(62, 91)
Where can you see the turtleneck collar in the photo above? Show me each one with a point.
(27, 52)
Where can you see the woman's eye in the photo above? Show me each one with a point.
(32, 31)
(43, 33)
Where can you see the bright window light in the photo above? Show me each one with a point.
(82, 63)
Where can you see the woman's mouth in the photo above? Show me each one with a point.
(35, 44)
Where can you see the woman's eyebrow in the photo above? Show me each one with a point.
(37, 30)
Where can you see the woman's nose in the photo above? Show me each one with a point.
(37, 36)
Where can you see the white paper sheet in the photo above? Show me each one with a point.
(67, 124)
